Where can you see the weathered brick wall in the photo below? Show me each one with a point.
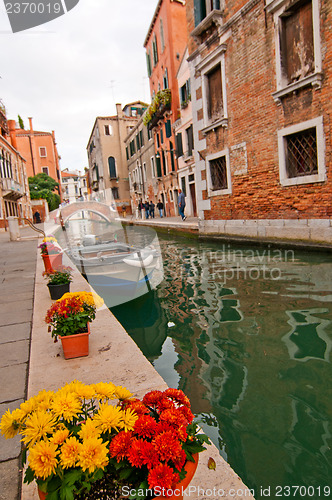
(254, 119)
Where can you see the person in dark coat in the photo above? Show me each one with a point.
(37, 217)
(146, 207)
(182, 204)
(160, 207)
(151, 209)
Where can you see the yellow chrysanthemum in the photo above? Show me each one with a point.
(89, 429)
(49, 238)
(38, 425)
(108, 417)
(10, 423)
(104, 390)
(29, 406)
(93, 454)
(83, 391)
(59, 436)
(122, 393)
(66, 405)
(69, 452)
(128, 420)
(43, 399)
(43, 459)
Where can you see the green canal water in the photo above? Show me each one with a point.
(247, 333)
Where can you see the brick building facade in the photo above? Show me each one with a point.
(261, 78)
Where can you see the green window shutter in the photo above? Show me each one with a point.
(179, 147)
(111, 166)
(158, 164)
(199, 11)
(168, 128)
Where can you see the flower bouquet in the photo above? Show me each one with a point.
(69, 318)
(58, 281)
(83, 444)
(51, 254)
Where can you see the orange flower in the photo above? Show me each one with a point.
(120, 445)
(162, 476)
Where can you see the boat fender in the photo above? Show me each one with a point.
(137, 262)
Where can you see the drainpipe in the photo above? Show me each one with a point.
(30, 142)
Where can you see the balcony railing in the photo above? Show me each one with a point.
(160, 104)
(12, 188)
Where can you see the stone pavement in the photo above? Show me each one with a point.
(17, 278)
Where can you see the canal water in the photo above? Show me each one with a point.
(246, 332)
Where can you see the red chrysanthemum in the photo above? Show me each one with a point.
(152, 398)
(120, 445)
(136, 405)
(145, 426)
(134, 454)
(173, 417)
(167, 445)
(149, 455)
(163, 476)
(178, 396)
(180, 460)
(187, 413)
(165, 404)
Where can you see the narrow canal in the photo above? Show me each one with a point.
(247, 332)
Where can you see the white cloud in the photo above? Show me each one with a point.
(72, 69)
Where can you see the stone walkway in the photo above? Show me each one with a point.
(17, 278)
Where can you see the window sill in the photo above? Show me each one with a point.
(215, 17)
(305, 179)
(223, 122)
(219, 192)
(315, 80)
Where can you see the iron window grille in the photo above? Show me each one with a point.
(301, 153)
(218, 173)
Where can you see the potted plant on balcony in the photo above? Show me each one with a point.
(83, 446)
(51, 254)
(58, 281)
(69, 318)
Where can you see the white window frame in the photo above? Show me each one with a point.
(277, 8)
(44, 166)
(153, 167)
(219, 192)
(40, 151)
(293, 129)
(204, 67)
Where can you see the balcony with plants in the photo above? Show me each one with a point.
(160, 104)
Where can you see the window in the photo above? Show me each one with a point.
(148, 63)
(115, 193)
(172, 156)
(158, 140)
(168, 128)
(179, 146)
(298, 46)
(301, 153)
(153, 167)
(45, 170)
(161, 136)
(185, 94)
(213, 77)
(155, 50)
(42, 152)
(165, 79)
(190, 140)
(203, 8)
(108, 129)
(137, 142)
(162, 37)
(111, 166)
(218, 173)
(158, 163)
(183, 185)
(144, 172)
(127, 153)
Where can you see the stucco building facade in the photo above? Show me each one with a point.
(108, 173)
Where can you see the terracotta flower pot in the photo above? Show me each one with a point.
(52, 261)
(190, 468)
(42, 495)
(76, 346)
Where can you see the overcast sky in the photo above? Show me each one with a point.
(74, 68)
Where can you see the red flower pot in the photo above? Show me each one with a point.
(190, 468)
(42, 495)
(76, 346)
(52, 262)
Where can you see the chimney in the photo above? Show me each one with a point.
(12, 132)
(119, 110)
(30, 123)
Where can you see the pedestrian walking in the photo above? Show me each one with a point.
(151, 209)
(146, 207)
(37, 218)
(160, 207)
(140, 208)
(182, 204)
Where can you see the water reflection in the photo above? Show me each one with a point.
(251, 347)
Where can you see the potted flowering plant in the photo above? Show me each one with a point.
(83, 446)
(58, 281)
(69, 318)
(51, 254)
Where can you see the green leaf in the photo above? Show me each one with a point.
(29, 476)
(72, 476)
(125, 473)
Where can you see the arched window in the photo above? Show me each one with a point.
(111, 166)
